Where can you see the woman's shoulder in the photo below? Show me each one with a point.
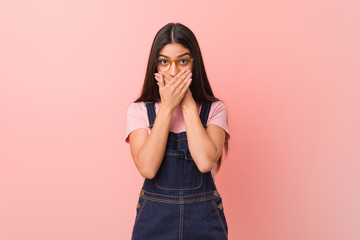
(218, 115)
(140, 107)
(136, 108)
(218, 105)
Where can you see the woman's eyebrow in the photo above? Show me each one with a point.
(181, 55)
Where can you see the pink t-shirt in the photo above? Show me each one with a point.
(137, 118)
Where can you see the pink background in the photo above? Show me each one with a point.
(288, 72)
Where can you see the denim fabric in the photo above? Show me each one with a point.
(180, 202)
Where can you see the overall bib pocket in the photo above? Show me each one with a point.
(178, 171)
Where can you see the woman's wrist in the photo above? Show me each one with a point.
(189, 105)
(166, 109)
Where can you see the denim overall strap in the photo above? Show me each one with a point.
(204, 113)
(150, 106)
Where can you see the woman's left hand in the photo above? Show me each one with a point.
(188, 99)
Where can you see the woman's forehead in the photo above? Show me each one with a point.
(173, 50)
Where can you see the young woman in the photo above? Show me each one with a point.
(177, 130)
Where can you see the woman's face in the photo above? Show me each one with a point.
(174, 51)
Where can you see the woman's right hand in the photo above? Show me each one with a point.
(173, 91)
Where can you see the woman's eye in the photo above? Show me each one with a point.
(183, 61)
(163, 62)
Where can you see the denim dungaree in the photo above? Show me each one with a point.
(180, 202)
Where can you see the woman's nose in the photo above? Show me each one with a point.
(173, 69)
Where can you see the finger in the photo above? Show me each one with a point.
(158, 76)
(160, 81)
(167, 79)
(173, 79)
(186, 87)
(177, 82)
(165, 75)
(184, 78)
(183, 83)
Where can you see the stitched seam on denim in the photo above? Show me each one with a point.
(219, 217)
(140, 211)
(181, 220)
(173, 139)
(178, 196)
(174, 154)
(178, 202)
(178, 189)
(179, 154)
(180, 223)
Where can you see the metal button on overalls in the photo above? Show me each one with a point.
(180, 202)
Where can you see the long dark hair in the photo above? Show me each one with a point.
(200, 86)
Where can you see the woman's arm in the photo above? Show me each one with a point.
(147, 149)
(206, 146)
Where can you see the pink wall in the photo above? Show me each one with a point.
(287, 70)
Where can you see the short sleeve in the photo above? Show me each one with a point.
(136, 117)
(218, 116)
